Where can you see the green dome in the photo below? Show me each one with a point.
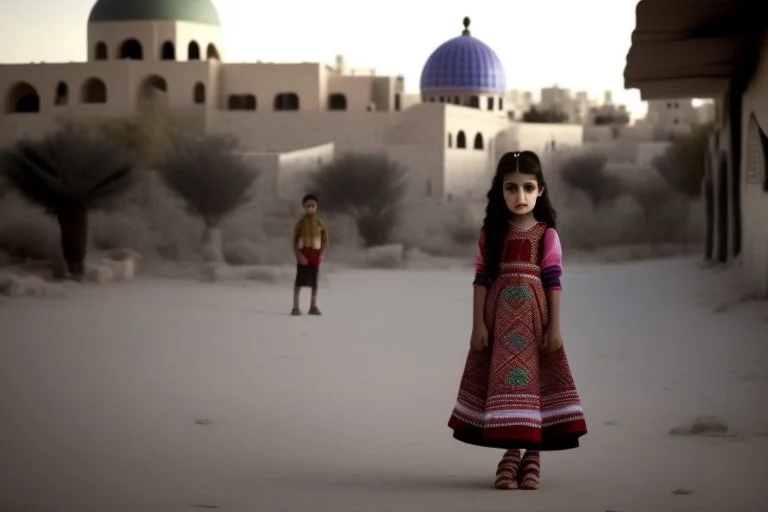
(196, 11)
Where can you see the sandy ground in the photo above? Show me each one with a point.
(173, 396)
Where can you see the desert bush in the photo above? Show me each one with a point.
(211, 180)
(586, 172)
(683, 164)
(32, 238)
(69, 173)
(369, 188)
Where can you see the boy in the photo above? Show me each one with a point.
(310, 241)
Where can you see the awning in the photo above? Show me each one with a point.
(691, 48)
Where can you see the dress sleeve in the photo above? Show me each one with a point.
(552, 261)
(481, 271)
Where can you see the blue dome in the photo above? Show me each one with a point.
(464, 63)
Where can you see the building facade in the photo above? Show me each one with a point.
(717, 50)
(171, 53)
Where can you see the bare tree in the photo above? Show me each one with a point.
(212, 180)
(587, 172)
(69, 173)
(370, 188)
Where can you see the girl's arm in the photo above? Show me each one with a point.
(481, 284)
(553, 299)
(551, 272)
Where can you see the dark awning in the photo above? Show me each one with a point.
(691, 48)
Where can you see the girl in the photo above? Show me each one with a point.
(517, 391)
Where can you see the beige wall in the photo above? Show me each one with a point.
(425, 166)
(537, 136)
(286, 131)
(297, 167)
(754, 196)
(152, 35)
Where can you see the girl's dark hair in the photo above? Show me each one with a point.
(309, 197)
(497, 215)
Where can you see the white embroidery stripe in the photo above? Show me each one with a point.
(528, 414)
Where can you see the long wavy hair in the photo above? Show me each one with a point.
(497, 215)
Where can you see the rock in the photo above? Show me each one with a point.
(682, 492)
(702, 426)
(29, 286)
(204, 422)
(13, 286)
(385, 256)
(122, 270)
(100, 274)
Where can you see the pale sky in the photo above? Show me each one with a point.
(580, 45)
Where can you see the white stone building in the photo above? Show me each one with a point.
(288, 117)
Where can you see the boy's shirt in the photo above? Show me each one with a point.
(310, 237)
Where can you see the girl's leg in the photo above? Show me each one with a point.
(530, 470)
(506, 472)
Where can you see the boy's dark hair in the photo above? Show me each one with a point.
(309, 197)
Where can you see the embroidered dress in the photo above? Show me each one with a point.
(512, 395)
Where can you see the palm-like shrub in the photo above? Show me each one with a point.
(69, 173)
(370, 188)
(212, 180)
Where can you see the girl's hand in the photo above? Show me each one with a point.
(553, 340)
(479, 338)
(302, 260)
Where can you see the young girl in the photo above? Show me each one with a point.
(517, 392)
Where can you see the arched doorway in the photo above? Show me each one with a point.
(100, 52)
(736, 211)
(708, 189)
(131, 49)
(286, 101)
(22, 99)
(168, 51)
(62, 94)
(722, 210)
(93, 91)
(193, 51)
(479, 141)
(337, 101)
(461, 140)
(198, 93)
(211, 52)
(153, 88)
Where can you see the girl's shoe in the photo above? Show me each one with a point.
(530, 469)
(506, 473)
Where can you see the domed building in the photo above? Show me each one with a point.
(288, 117)
(464, 71)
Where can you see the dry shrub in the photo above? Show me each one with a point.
(26, 233)
(369, 188)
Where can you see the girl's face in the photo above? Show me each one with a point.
(521, 192)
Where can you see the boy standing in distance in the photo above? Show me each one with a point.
(310, 241)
